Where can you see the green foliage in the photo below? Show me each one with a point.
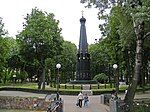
(99, 58)
(6, 75)
(9, 49)
(126, 27)
(40, 37)
(101, 78)
(68, 61)
(22, 75)
(3, 47)
(118, 44)
(142, 105)
(3, 32)
(39, 40)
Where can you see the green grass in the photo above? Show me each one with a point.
(63, 87)
(20, 85)
(142, 105)
(66, 87)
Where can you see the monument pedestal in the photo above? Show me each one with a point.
(86, 90)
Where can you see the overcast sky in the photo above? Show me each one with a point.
(68, 12)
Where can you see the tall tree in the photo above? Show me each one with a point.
(40, 39)
(138, 12)
(3, 46)
(140, 15)
(68, 59)
(2, 30)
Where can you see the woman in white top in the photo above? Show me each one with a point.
(80, 98)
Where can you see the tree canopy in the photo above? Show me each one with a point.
(40, 39)
(125, 34)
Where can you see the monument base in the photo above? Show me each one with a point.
(88, 92)
(83, 82)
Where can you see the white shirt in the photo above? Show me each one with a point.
(80, 96)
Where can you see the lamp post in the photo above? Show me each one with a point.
(115, 66)
(14, 76)
(58, 66)
(50, 79)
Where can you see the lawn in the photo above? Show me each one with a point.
(68, 87)
(62, 86)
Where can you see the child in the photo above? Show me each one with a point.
(86, 100)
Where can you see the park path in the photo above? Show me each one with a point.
(94, 105)
(70, 101)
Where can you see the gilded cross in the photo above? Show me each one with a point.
(82, 12)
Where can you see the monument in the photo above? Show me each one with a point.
(83, 74)
(83, 57)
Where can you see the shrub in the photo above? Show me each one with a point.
(101, 78)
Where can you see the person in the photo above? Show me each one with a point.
(86, 100)
(113, 94)
(79, 99)
(57, 95)
(126, 91)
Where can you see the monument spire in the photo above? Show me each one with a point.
(83, 46)
(83, 57)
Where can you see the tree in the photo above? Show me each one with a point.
(140, 15)
(39, 40)
(3, 32)
(68, 60)
(132, 17)
(3, 47)
(99, 57)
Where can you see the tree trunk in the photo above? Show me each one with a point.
(42, 79)
(127, 65)
(139, 30)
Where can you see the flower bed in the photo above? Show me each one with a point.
(26, 103)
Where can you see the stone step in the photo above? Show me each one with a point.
(86, 87)
(88, 92)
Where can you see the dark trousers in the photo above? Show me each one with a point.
(80, 102)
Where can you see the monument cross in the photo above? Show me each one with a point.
(82, 13)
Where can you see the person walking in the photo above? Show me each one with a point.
(86, 100)
(80, 98)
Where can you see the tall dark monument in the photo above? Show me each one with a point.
(83, 57)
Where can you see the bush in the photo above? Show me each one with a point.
(101, 78)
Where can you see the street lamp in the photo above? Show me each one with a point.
(50, 79)
(115, 66)
(58, 66)
(14, 76)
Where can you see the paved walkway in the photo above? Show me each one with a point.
(94, 105)
(70, 101)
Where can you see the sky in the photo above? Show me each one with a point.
(68, 12)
